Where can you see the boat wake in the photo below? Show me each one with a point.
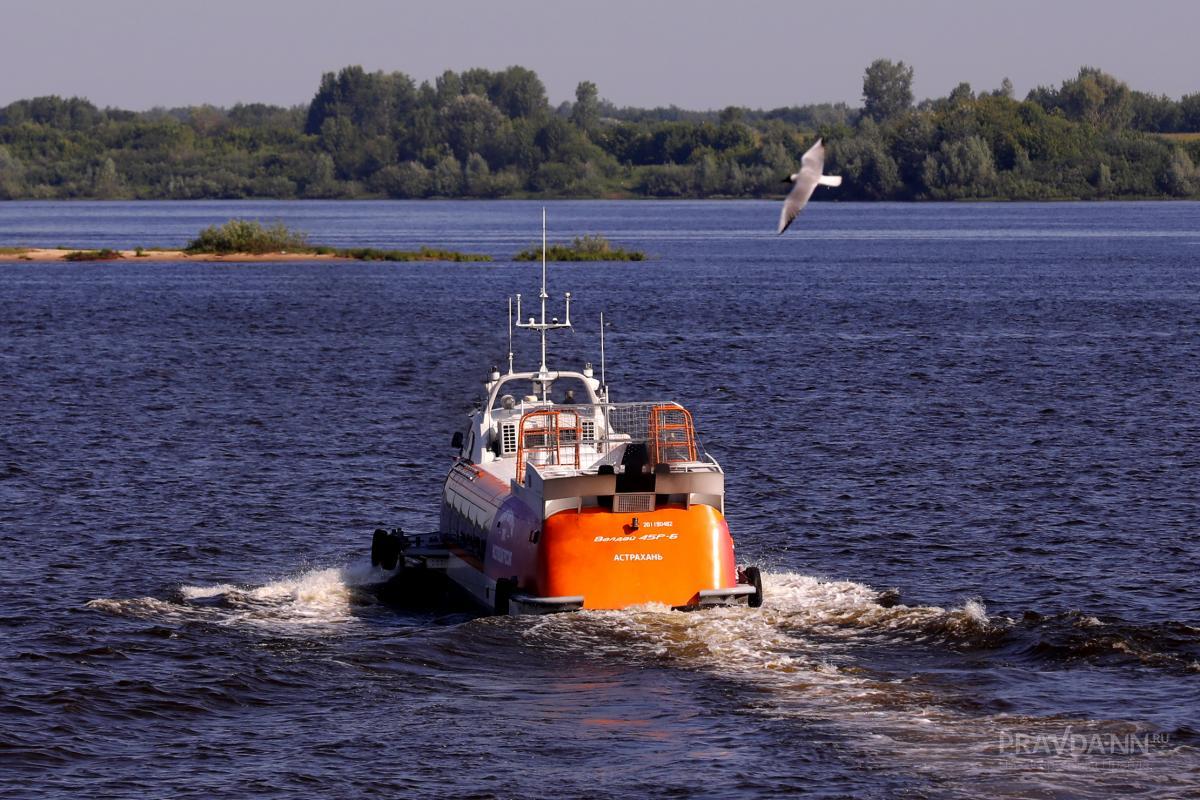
(810, 655)
(315, 598)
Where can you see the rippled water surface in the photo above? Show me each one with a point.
(991, 409)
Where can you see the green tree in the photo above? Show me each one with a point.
(887, 89)
(913, 136)
(477, 176)
(408, 179)
(518, 92)
(868, 169)
(708, 175)
(449, 86)
(963, 168)
(1099, 98)
(12, 175)
(1189, 110)
(344, 144)
(321, 182)
(371, 101)
(1157, 113)
(731, 115)
(469, 123)
(961, 94)
(1182, 178)
(1093, 96)
(106, 183)
(553, 178)
(585, 114)
(447, 177)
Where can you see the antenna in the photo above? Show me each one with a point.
(543, 294)
(510, 350)
(603, 383)
(542, 326)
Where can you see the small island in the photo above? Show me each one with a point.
(242, 240)
(581, 248)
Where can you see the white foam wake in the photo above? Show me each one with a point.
(321, 596)
(803, 654)
(796, 640)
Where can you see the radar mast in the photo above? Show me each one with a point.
(542, 326)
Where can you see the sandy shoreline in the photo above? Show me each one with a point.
(59, 254)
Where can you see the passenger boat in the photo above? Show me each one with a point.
(559, 499)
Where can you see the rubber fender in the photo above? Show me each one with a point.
(754, 578)
(505, 588)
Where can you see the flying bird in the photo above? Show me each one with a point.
(804, 183)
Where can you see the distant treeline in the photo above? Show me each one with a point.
(481, 133)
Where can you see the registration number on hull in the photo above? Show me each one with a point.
(645, 537)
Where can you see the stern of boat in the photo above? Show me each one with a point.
(677, 556)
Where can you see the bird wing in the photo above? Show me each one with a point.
(814, 159)
(802, 189)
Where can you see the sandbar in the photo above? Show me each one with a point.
(59, 254)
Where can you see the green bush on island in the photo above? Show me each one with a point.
(582, 248)
(424, 254)
(248, 236)
(93, 255)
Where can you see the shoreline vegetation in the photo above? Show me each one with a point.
(242, 236)
(246, 240)
(590, 247)
(242, 240)
(42, 254)
(93, 255)
(490, 134)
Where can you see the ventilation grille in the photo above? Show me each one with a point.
(633, 503)
(508, 438)
(589, 431)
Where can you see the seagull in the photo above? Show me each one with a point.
(804, 183)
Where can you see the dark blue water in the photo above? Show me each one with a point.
(990, 408)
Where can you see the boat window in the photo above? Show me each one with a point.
(569, 391)
(564, 391)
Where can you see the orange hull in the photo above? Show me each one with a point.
(672, 555)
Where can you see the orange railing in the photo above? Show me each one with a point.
(549, 437)
(670, 434)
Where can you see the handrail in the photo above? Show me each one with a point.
(670, 435)
(542, 432)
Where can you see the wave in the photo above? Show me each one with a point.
(801, 655)
(1074, 636)
(316, 597)
(797, 608)
(807, 654)
(798, 626)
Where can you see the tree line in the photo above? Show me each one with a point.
(483, 133)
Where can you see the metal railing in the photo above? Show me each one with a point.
(666, 427)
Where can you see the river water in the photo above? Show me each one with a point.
(992, 409)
